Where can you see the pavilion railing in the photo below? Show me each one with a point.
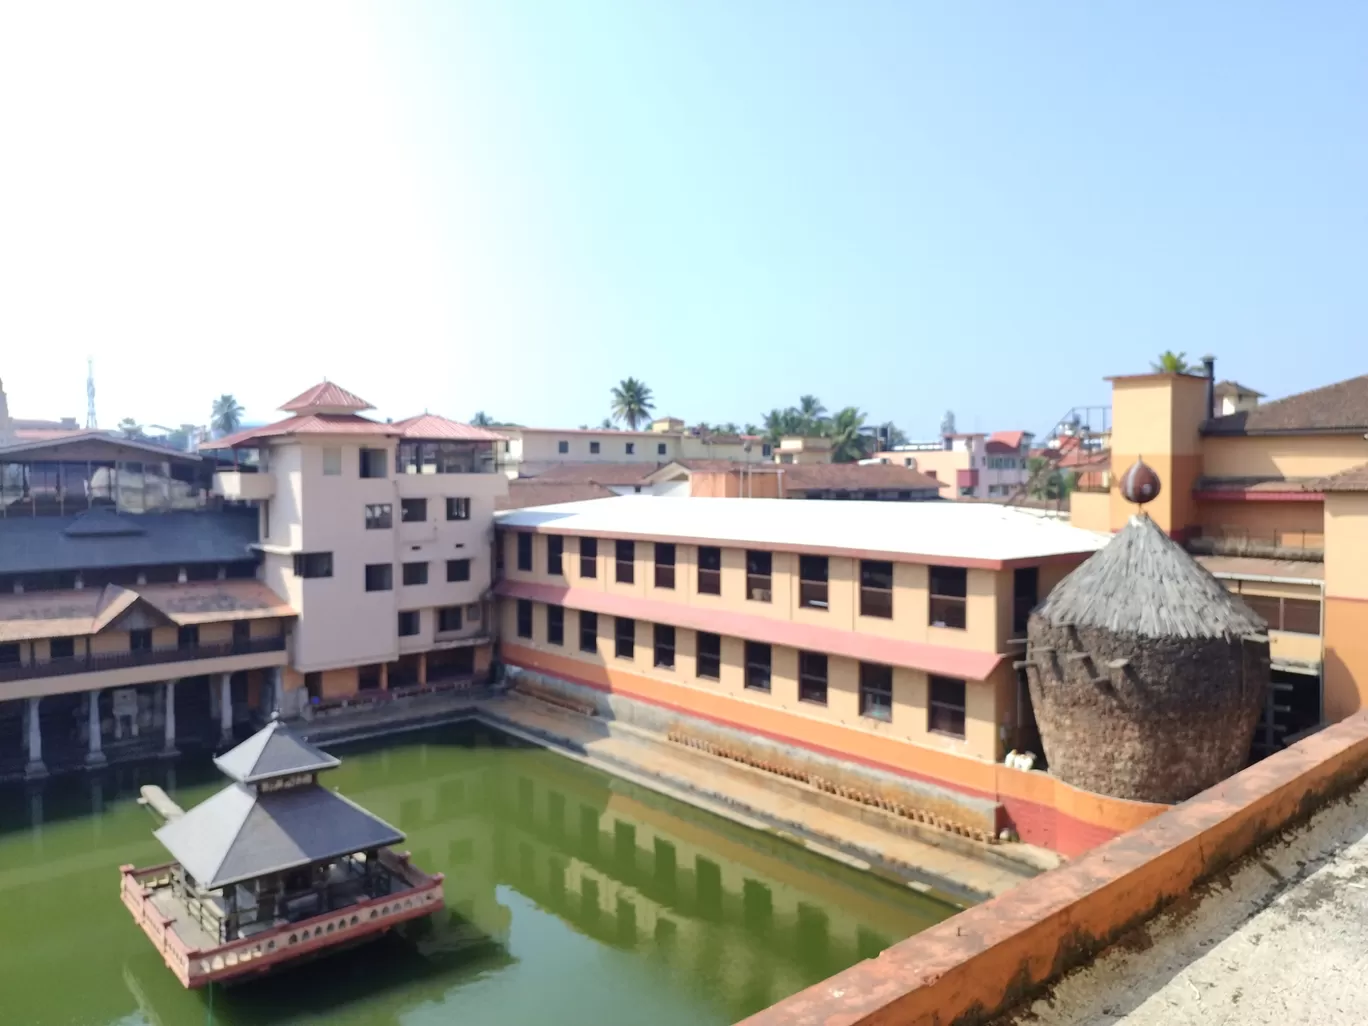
(97, 662)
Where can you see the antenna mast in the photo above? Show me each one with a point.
(90, 393)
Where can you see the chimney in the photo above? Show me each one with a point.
(1209, 362)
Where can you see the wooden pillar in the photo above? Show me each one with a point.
(422, 668)
(384, 676)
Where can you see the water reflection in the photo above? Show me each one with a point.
(570, 896)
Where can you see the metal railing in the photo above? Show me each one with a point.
(99, 661)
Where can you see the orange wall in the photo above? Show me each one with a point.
(1264, 519)
(1156, 417)
(1346, 604)
(1283, 455)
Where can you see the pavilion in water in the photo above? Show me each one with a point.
(273, 868)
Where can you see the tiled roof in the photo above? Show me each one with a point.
(274, 751)
(429, 425)
(1011, 439)
(1269, 485)
(306, 424)
(29, 440)
(596, 473)
(328, 396)
(532, 492)
(1224, 388)
(100, 538)
(1341, 407)
(1355, 479)
(802, 477)
(1251, 566)
(59, 614)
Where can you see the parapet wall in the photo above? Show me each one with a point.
(989, 958)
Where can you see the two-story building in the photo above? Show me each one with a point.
(882, 633)
(968, 466)
(528, 452)
(378, 535)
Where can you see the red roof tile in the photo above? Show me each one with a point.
(1011, 439)
(326, 396)
(311, 424)
(1355, 479)
(429, 425)
(596, 473)
(532, 491)
(1338, 408)
(802, 477)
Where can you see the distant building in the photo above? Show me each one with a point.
(529, 452)
(968, 466)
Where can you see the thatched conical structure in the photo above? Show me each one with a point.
(1146, 674)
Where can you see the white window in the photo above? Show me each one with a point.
(332, 461)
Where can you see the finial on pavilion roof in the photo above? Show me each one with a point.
(1140, 484)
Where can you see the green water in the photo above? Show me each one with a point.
(572, 898)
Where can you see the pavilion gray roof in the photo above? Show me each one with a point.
(240, 835)
(1144, 583)
(273, 751)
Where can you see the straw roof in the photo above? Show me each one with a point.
(1144, 583)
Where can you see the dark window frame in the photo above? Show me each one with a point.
(624, 637)
(665, 568)
(814, 582)
(457, 507)
(407, 617)
(710, 577)
(458, 570)
(445, 613)
(588, 632)
(665, 640)
(368, 458)
(759, 575)
(523, 558)
(379, 584)
(412, 511)
(708, 664)
(379, 516)
(948, 597)
(67, 648)
(944, 715)
(759, 666)
(813, 677)
(876, 694)
(624, 570)
(523, 617)
(414, 574)
(310, 565)
(555, 551)
(588, 555)
(555, 625)
(876, 597)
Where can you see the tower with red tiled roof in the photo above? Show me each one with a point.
(326, 397)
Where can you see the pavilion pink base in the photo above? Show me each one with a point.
(271, 948)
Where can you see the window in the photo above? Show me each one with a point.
(524, 550)
(415, 573)
(458, 509)
(412, 511)
(594, 448)
(766, 450)
(140, 641)
(374, 463)
(379, 576)
(242, 632)
(664, 565)
(660, 448)
(1025, 589)
(458, 569)
(709, 656)
(945, 711)
(332, 461)
(757, 666)
(1300, 616)
(876, 691)
(626, 562)
(555, 545)
(631, 448)
(61, 648)
(187, 637)
(624, 637)
(812, 677)
(555, 625)
(588, 557)
(449, 618)
(562, 447)
(812, 582)
(588, 624)
(409, 623)
(758, 565)
(709, 570)
(524, 618)
(265, 519)
(664, 646)
(876, 588)
(9, 654)
(949, 587)
(313, 564)
(379, 515)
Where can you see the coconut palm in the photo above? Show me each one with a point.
(729, 428)
(632, 402)
(1170, 362)
(813, 413)
(781, 423)
(607, 425)
(226, 415)
(482, 419)
(750, 429)
(848, 442)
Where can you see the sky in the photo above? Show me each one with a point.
(509, 205)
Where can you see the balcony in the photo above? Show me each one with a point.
(148, 657)
(244, 486)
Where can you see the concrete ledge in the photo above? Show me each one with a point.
(987, 959)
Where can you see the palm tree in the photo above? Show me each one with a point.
(729, 428)
(632, 402)
(750, 429)
(892, 435)
(813, 414)
(482, 419)
(607, 425)
(1170, 362)
(226, 415)
(848, 442)
(130, 428)
(781, 423)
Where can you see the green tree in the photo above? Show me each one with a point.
(1170, 362)
(226, 415)
(632, 402)
(482, 419)
(1046, 481)
(779, 423)
(750, 429)
(729, 428)
(894, 434)
(607, 425)
(812, 411)
(848, 440)
(131, 428)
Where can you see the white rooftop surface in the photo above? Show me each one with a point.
(950, 530)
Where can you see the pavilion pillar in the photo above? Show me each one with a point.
(36, 768)
(277, 699)
(225, 705)
(169, 747)
(422, 669)
(95, 755)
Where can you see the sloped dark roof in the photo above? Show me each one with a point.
(1224, 388)
(96, 539)
(1341, 407)
(1355, 479)
(533, 491)
(273, 751)
(239, 834)
(1143, 583)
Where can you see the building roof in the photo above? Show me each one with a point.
(431, 426)
(1145, 584)
(596, 473)
(1237, 486)
(641, 433)
(1009, 439)
(531, 491)
(72, 613)
(274, 751)
(100, 538)
(1225, 388)
(1355, 479)
(327, 396)
(305, 424)
(28, 441)
(1256, 567)
(239, 834)
(953, 533)
(1338, 408)
(804, 477)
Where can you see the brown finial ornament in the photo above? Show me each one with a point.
(1140, 484)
